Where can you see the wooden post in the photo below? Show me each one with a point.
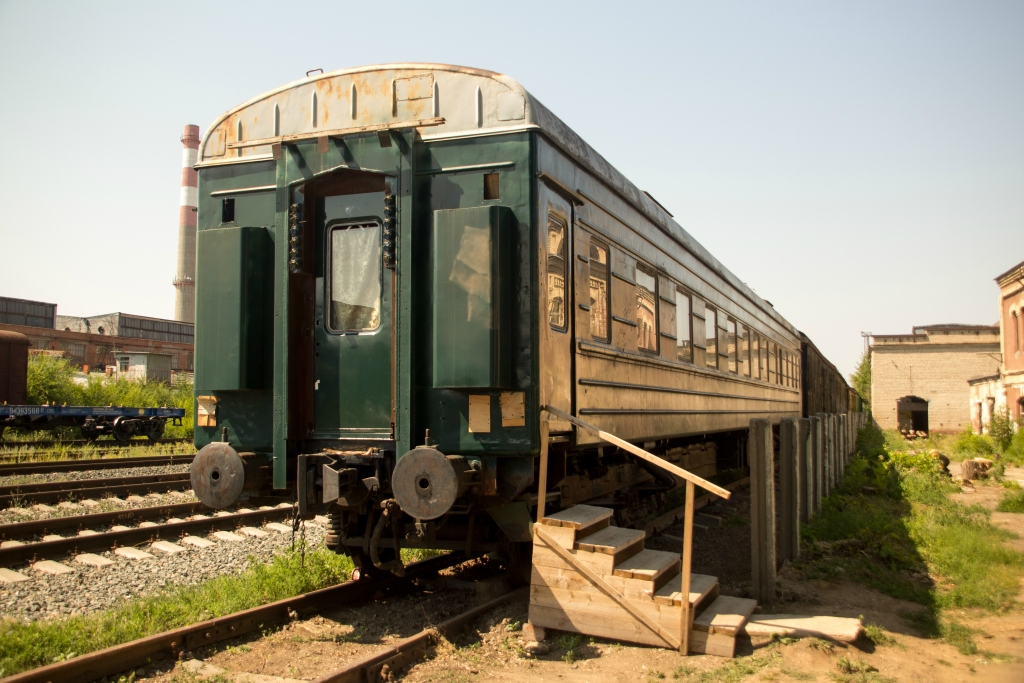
(815, 479)
(803, 456)
(685, 616)
(542, 485)
(762, 510)
(789, 489)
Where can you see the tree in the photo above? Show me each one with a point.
(861, 377)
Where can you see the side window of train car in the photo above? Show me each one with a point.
(772, 369)
(600, 330)
(755, 355)
(711, 337)
(730, 341)
(646, 309)
(743, 340)
(557, 317)
(684, 321)
(355, 278)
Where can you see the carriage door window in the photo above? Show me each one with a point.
(684, 350)
(599, 291)
(711, 337)
(556, 273)
(646, 317)
(730, 341)
(355, 278)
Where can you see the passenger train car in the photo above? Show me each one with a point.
(399, 265)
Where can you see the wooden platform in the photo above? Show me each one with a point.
(594, 578)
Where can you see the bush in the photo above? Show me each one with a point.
(971, 445)
(1015, 451)
(51, 380)
(1000, 428)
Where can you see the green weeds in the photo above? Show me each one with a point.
(1012, 500)
(29, 645)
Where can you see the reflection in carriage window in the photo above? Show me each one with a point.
(755, 355)
(711, 338)
(598, 291)
(355, 278)
(730, 342)
(556, 273)
(684, 350)
(646, 318)
(742, 334)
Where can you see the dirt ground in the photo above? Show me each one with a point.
(494, 649)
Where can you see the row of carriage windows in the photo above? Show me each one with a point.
(730, 345)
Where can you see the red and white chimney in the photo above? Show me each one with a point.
(185, 278)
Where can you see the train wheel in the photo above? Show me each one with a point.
(364, 565)
(155, 429)
(122, 431)
(518, 561)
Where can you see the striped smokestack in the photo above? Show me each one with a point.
(185, 279)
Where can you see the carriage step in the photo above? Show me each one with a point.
(703, 589)
(571, 524)
(611, 540)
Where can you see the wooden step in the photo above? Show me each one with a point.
(611, 540)
(569, 525)
(843, 629)
(650, 565)
(725, 616)
(703, 589)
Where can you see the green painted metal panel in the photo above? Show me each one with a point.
(470, 285)
(233, 289)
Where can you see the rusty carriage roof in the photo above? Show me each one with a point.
(440, 101)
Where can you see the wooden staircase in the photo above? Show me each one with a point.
(593, 578)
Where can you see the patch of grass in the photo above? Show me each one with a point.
(26, 645)
(879, 636)
(569, 642)
(971, 445)
(732, 672)
(910, 540)
(959, 636)
(1012, 501)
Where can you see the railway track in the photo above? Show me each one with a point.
(86, 489)
(172, 644)
(55, 466)
(53, 546)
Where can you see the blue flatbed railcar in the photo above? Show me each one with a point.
(119, 421)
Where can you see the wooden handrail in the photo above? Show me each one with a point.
(641, 453)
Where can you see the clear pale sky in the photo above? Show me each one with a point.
(859, 164)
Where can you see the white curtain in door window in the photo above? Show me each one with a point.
(355, 278)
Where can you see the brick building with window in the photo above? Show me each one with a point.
(1004, 388)
(919, 381)
(98, 342)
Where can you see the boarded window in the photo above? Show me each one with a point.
(744, 349)
(711, 337)
(599, 292)
(355, 278)
(646, 307)
(556, 273)
(684, 349)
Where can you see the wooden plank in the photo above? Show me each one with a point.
(686, 614)
(648, 564)
(598, 603)
(611, 540)
(762, 510)
(596, 579)
(843, 629)
(624, 629)
(578, 517)
(701, 585)
(725, 615)
(637, 590)
(565, 536)
(542, 484)
(704, 643)
(641, 453)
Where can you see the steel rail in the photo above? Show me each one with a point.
(370, 669)
(105, 541)
(53, 466)
(112, 660)
(6, 445)
(51, 524)
(96, 488)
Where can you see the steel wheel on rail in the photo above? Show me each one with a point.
(155, 429)
(122, 431)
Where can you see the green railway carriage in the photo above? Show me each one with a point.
(398, 265)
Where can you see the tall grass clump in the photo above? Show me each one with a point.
(971, 445)
(27, 645)
(907, 538)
